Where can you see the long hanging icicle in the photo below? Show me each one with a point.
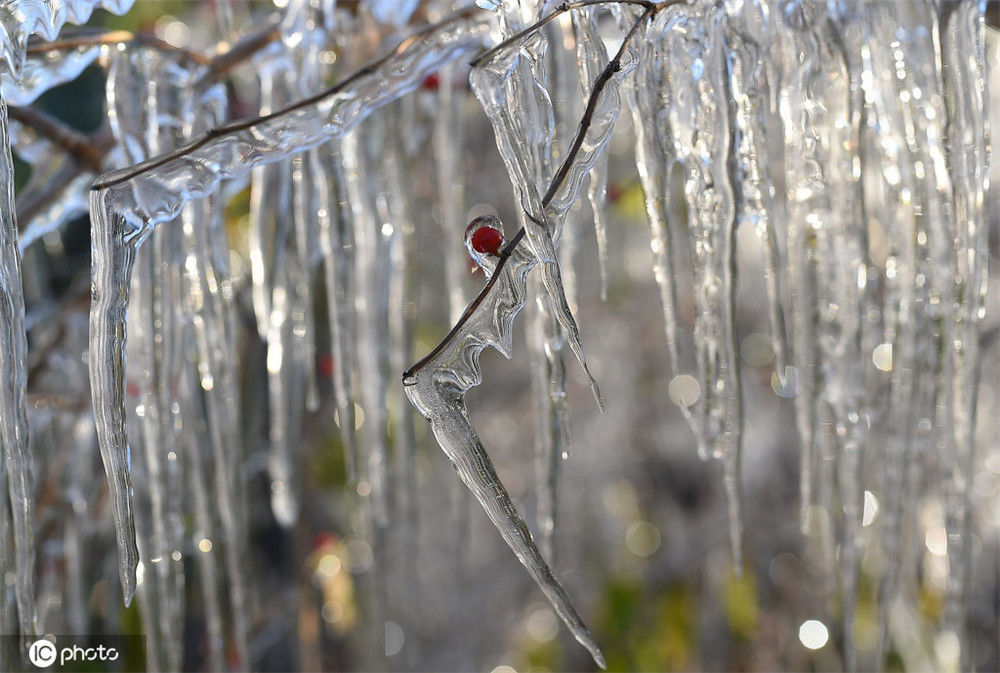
(331, 213)
(592, 58)
(967, 152)
(751, 81)
(700, 135)
(13, 390)
(371, 293)
(552, 435)
(438, 390)
(653, 161)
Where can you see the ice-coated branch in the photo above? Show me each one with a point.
(437, 384)
(126, 205)
(86, 38)
(554, 186)
(489, 54)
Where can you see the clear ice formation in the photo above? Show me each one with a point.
(127, 205)
(851, 137)
(21, 83)
(437, 390)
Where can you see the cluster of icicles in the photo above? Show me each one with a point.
(850, 135)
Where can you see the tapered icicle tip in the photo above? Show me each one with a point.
(595, 653)
(596, 389)
(127, 573)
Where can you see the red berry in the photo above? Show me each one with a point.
(432, 82)
(487, 240)
(325, 366)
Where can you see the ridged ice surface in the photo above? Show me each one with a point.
(19, 19)
(125, 208)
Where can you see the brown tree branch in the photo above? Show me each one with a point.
(83, 150)
(75, 39)
(219, 65)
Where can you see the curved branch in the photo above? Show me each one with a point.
(558, 11)
(242, 125)
(585, 121)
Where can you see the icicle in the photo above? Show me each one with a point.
(567, 90)
(304, 79)
(437, 388)
(270, 200)
(701, 139)
(751, 77)
(552, 434)
(13, 386)
(196, 438)
(447, 150)
(967, 146)
(400, 246)
(336, 272)
(370, 305)
(653, 162)
(592, 58)
(112, 260)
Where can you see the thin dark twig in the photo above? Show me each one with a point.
(558, 11)
(88, 38)
(242, 125)
(614, 65)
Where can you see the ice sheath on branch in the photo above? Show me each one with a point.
(126, 206)
(437, 384)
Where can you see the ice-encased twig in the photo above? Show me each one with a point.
(438, 390)
(437, 383)
(126, 205)
(19, 19)
(41, 72)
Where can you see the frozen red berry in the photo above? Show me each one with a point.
(487, 240)
(432, 82)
